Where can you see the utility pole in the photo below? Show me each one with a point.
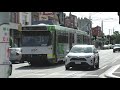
(113, 30)
(102, 26)
(90, 14)
(109, 31)
(109, 36)
(90, 28)
(102, 32)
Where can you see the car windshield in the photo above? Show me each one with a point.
(81, 50)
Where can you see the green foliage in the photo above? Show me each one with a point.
(116, 37)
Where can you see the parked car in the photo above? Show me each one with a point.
(106, 47)
(82, 55)
(110, 46)
(116, 48)
(16, 54)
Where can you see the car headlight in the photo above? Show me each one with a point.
(68, 56)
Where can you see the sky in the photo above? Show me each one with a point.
(110, 20)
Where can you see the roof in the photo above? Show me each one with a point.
(83, 46)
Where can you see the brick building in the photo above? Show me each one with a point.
(71, 21)
(96, 31)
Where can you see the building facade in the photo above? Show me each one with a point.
(71, 21)
(17, 20)
(45, 17)
(25, 18)
(67, 22)
(96, 31)
(34, 17)
(61, 18)
(14, 33)
(85, 24)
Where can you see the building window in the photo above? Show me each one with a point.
(24, 20)
(35, 16)
(14, 17)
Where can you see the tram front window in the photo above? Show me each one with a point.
(34, 38)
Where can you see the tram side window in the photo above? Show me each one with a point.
(78, 38)
(72, 38)
(62, 38)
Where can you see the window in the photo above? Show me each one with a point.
(24, 19)
(14, 17)
(32, 38)
(62, 37)
(72, 38)
(81, 50)
(35, 28)
(78, 39)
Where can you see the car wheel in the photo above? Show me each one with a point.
(93, 66)
(97, 66)
(67, 67)
(10, 70)
(113, 51)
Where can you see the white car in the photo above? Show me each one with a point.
(15, 54)
(106, 47)
(82, 55)
(116, 48)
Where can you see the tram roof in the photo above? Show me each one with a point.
(57, 27)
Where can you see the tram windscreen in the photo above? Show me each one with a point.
(36, 38)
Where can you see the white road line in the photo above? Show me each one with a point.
(22, 76)
(30, 75)
(104, 67)
(115, 61)
(37, 73)
(76, 75)
(91, 75)
(116, 72)
(109, 72)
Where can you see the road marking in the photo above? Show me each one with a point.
(30, 75)
(116, 72)
(115, 61)
(104, 67)
(91, 75)
(109, 72)
(76, 75)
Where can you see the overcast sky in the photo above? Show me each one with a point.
(110, 20)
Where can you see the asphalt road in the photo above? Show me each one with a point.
(107, 60)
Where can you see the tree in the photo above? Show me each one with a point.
(116, 37)
(116, 33)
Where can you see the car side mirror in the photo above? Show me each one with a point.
(67, 51)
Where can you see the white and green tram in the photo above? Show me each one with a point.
(47, 44)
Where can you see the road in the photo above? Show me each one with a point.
(107, 60)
